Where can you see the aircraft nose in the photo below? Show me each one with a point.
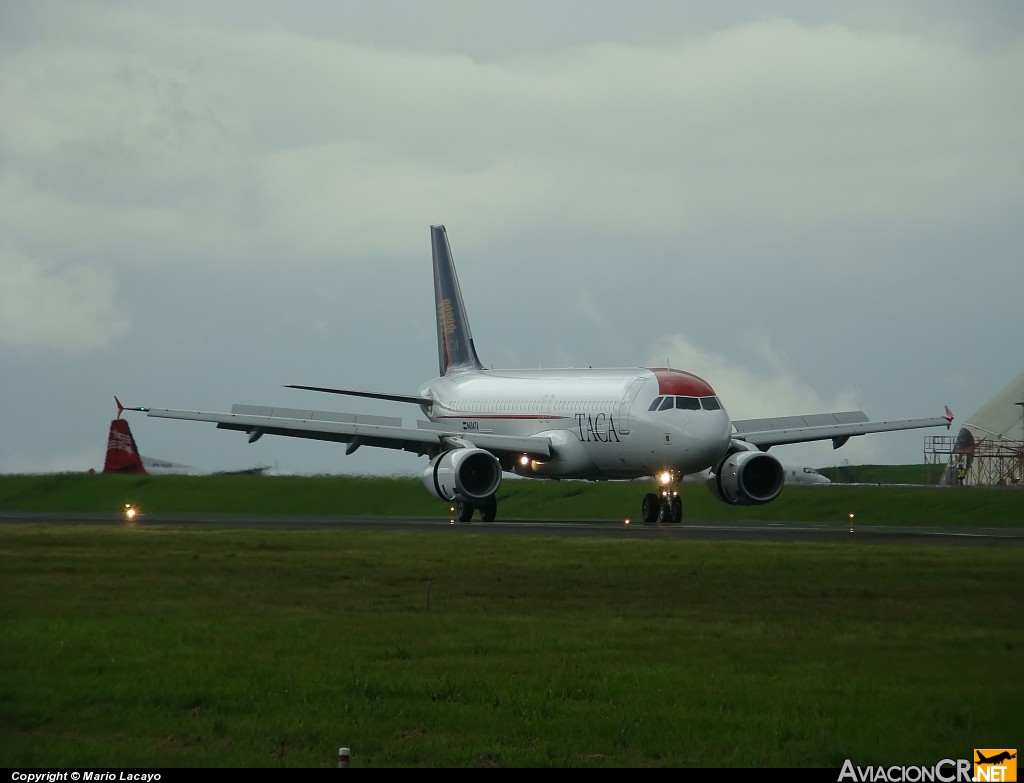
(705, 439)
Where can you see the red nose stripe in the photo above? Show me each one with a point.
(681, 383)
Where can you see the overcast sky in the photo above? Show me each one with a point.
(814, 206)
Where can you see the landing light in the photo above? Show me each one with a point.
(524, 460)
(130, 512)
(665, 477)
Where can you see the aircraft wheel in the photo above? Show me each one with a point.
(463, 511)
(489, 509)
(665, 512)
(650, 508)
(677, 510)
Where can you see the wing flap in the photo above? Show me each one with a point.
(381, 431)
(311, 415)
(354, 429)
(797, 422)
(837, 431)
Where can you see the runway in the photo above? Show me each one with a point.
(687, 530)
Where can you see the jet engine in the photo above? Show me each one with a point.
(747, 478)
(462, 474)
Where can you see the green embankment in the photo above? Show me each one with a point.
(517, 499)
(885, 474)
(145, 646)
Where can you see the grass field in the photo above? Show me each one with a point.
(517, 499)
(148, 647)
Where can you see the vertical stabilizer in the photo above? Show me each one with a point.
(455, 349)
(122, 454)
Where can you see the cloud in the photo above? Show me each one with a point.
(223, 169)
(67, 310)
(354, 197)
(306, 142)
(114, 120)
(58, 462)
(766, 386)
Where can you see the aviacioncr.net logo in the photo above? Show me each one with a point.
(944, 771)
(995, 764)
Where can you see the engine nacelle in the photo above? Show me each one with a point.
(462, 474)
(747, 478)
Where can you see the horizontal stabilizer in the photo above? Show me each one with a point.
(415, 400)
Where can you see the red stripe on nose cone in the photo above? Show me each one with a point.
(682, 383)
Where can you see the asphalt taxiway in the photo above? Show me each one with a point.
(696, 530)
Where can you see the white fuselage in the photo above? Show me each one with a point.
(801, 474)
(600, 422)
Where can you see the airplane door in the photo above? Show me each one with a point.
(547, 408)
(622, 419)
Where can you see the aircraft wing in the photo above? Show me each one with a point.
(354, 429)
(837, 427)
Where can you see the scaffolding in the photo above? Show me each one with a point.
(987, 461)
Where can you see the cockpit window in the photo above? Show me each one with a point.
(685, 403)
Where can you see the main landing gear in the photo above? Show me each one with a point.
(665, 506)
(488, 509)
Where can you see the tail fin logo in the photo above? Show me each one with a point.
(122, 453)
(455, 349)
(995, 764)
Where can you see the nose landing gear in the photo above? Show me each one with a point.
(664, 507)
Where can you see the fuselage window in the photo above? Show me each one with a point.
(710, 403)
(688, 403)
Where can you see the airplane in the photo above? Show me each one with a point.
(123, 455)
(996, 759)
(801, 474)
(574, 423)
